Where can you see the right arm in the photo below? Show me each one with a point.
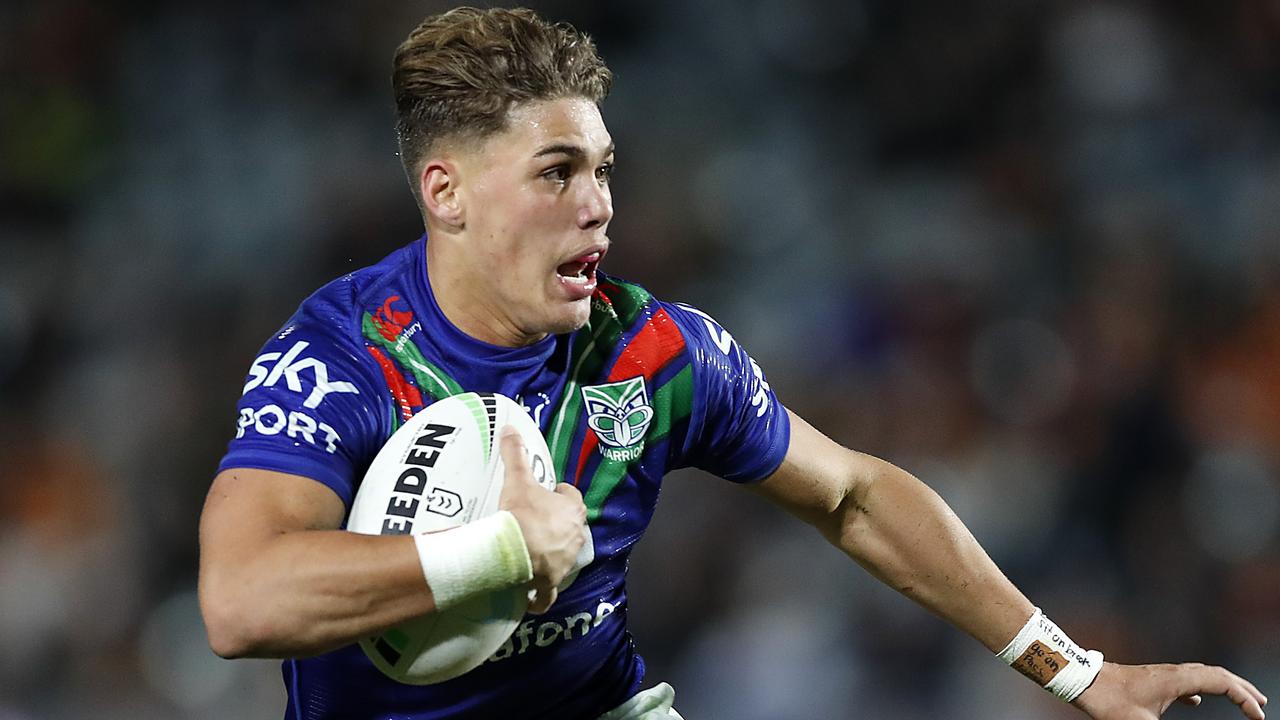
(279, 579)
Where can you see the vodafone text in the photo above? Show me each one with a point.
(546, 633)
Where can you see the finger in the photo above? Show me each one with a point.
(1248, 705)
(1253, 690)
(1248, 687)
(575, 497)
(569, 491)
(1192, 700)
(1241, 696)
(514, 456)
(1198, 679)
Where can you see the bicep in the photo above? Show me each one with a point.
(247, 507)
(818, 477)
(278, 578)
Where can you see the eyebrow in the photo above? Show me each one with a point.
(574, 151)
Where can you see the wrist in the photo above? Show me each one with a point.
(1093, 701)
(486, 555)
(1044, 653)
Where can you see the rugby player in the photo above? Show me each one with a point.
(509, 160)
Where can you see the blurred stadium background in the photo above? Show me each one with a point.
(1030, 251)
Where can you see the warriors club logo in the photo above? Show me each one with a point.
(389, 321)
(620, 414)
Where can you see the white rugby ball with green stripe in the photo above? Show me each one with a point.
(442, 469)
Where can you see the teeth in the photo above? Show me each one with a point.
(578, 271)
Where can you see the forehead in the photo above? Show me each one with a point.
(537, 125)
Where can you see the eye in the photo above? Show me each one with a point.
(559, 174)
(604, 173)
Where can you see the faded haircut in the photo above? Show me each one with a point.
(458, 75)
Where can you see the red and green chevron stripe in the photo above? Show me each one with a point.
(625, 299)
(651, 349)
(672, 402)
(655, 343)
(408, 399)
(430, 379)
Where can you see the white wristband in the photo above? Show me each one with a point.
(486, 555)
(1044, 653)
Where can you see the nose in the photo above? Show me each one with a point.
(596, 208)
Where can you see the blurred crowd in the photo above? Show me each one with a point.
(1028, 251)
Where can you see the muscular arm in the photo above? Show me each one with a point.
(279, 579)
(899, 530)
(905, 535)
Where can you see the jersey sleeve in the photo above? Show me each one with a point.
(738, 428)
(310, 407)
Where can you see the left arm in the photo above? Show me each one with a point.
(900, 531)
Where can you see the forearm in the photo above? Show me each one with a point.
(307, 592)
(278, 579)
(903, 533)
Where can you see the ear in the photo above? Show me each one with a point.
(438, 183)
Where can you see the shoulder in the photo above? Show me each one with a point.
(322, 347)
(736, 428)
(340, 309)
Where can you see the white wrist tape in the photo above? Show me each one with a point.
(1044, 653)
(486, 555)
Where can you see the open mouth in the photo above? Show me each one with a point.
(580, 271)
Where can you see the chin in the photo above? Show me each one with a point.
(571, 320)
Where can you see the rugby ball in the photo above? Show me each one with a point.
(442, 469)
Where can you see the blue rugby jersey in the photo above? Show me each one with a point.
(370, 349)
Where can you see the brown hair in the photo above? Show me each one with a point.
(459, 73)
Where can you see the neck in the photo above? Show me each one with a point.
(463, 296)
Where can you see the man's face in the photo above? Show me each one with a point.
(537, 204)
